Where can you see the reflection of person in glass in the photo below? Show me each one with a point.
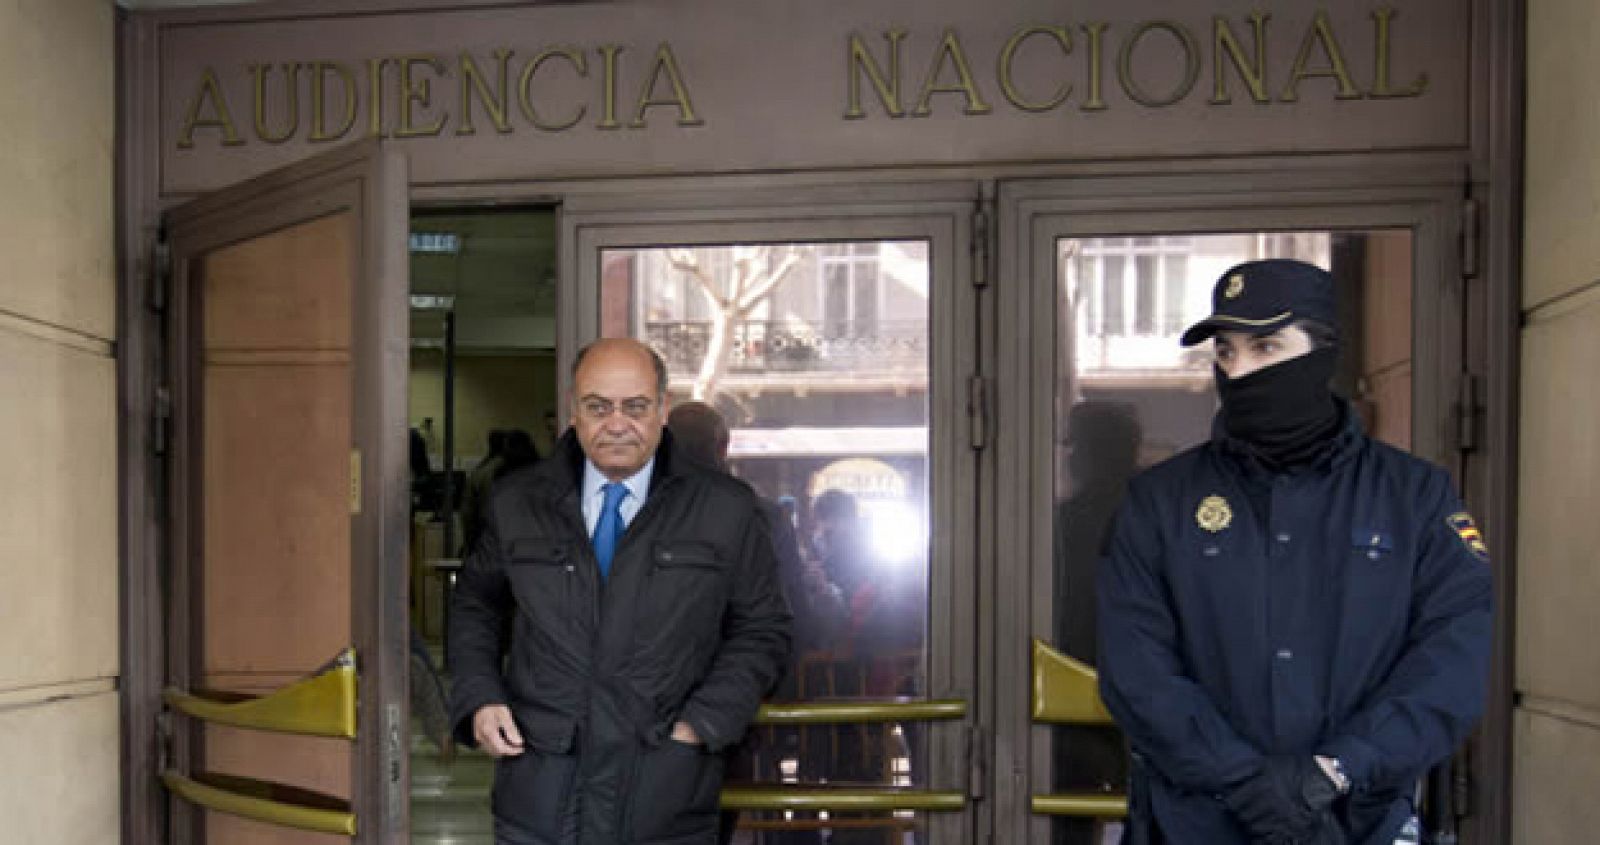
(1102, 445)
(703, 437)
(1294, 617)
(881, 597)
(879, 653)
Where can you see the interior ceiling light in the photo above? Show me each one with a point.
(432, 302)
(435, 243)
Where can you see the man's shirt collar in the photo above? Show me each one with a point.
(638, 484)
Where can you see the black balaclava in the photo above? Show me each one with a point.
(1287, 411)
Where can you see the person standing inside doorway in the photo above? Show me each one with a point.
(1294, 618)
(617, 624)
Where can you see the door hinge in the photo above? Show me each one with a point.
(978, 412)
(977, 762)
(1470, 240)
(164, 751)
(355, 482)
(1468, 413)
(395, 780)
(161, 420)
(980, 248)
(160, 272)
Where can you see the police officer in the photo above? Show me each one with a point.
(1294, 618)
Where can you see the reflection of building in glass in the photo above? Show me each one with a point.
(1125, 302)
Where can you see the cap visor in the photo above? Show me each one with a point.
(1204, 329)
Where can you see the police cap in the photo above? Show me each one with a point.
(1260, 297)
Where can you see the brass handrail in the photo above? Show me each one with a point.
(1065, 691)
(860, 711)
(1083, 805)
(838, 799)
(271, 803)
(323, 704)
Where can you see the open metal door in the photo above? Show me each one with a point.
(285, 717)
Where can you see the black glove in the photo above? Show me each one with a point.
(1284, 802)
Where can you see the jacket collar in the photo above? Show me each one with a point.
(564, 468)
(1340, 448)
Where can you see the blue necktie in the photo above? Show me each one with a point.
(608, 530)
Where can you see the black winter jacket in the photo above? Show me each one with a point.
(690, 625)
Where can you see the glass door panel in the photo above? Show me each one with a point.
(1127, 396)
(817, 357)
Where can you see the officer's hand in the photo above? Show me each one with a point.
(1285, 801)
(496, 731)
(684, 732)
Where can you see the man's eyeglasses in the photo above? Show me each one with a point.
(596, 408)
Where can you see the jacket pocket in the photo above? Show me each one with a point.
(545, 731)
(676, 793)
(687, 557)
(542, 574)
(680, 609)
(533, 798)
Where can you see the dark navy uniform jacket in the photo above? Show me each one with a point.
(1341, 609)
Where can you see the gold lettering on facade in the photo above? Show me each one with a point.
(525, 88)
(417, 92)
(291, 106)
(1096, 32)
(950, 52)
(1252, 71)
(1191, 64)
(209, 91)
(319, 100)
(861, 61)
(608, 87)
(1008, 85)
(1321, 32)
(375, 96)
(666, 64)
(1380, 78)
(494, 102)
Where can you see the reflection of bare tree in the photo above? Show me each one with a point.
(752, 274)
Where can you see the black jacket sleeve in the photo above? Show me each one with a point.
(480, 618)
(1435, 691)
(755, 645)
(1167, 716)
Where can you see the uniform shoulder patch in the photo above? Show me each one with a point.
(1467, 530)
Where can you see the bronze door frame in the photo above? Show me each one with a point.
(941, 214)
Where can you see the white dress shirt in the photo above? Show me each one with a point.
(638, 486)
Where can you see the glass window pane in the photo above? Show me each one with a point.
(1174, 289)
(1145, 296)
(836, 298)
(866, 298)
(1114, 296)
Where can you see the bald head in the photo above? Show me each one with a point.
(701, 433)
(623, 347)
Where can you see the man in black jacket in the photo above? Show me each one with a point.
(1294, 618)
(616, 626)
